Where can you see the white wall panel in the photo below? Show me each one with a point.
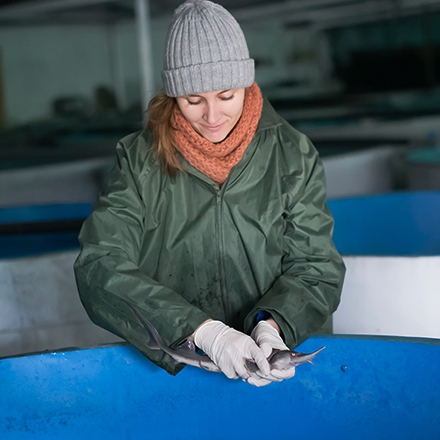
(390, 296)
(40, 308)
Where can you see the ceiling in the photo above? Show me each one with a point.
(322, 12)
(93, 11)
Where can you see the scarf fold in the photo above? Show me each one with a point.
(216, 160)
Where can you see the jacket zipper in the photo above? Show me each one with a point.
(225, 296)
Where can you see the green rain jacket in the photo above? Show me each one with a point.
(182, 250)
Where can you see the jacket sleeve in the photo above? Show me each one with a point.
(309, 288)
(107, 271)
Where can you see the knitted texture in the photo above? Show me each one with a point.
(216, 160)
(205, 51)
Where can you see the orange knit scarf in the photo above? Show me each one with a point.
(216, 160)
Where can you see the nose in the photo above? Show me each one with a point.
(212, 113)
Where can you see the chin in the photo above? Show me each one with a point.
(215, 139)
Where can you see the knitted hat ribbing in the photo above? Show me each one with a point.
(205, 51)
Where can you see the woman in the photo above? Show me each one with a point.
(214, 223)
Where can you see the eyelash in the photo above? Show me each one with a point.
(223, 99)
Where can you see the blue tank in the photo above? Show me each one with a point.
(40, 229)
(357, 388)
(400, 224)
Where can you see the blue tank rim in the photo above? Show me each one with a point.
(395, 194)
(392, 224)
(45, 212)
(351, 337)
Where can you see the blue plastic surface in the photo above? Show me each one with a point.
(28, 244)
(52, 212)
(357, 389)
(406, 223)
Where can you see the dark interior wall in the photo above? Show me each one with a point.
(398, 54)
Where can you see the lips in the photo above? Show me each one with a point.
(213, 128)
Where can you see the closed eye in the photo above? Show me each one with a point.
(227, 98)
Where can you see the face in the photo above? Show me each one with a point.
(213, 114)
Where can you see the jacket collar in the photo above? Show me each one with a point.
(269, 117)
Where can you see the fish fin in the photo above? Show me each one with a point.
(251, 366)
(188, 349)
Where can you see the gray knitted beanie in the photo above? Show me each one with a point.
(205, 51)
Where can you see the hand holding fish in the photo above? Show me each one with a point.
(280, 360)
(269, 339)
(230, 350)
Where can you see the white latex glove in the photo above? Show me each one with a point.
(229, 349)
(268, 338)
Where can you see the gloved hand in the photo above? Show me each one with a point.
(268, 338)
(229, 349)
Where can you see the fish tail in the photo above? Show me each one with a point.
(155, 342)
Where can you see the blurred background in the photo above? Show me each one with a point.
(360, 77)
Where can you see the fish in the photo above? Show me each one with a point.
(186, 353)
(285, 359)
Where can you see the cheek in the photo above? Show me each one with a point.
(191, 114)
(236, 110)
(188, 112)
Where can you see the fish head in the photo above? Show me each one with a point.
(282, 360)
(285, 359)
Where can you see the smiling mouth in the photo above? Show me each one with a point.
(212, 127)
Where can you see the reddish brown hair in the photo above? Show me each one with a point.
(160, 114)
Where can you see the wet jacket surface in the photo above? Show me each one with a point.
(182, 250)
